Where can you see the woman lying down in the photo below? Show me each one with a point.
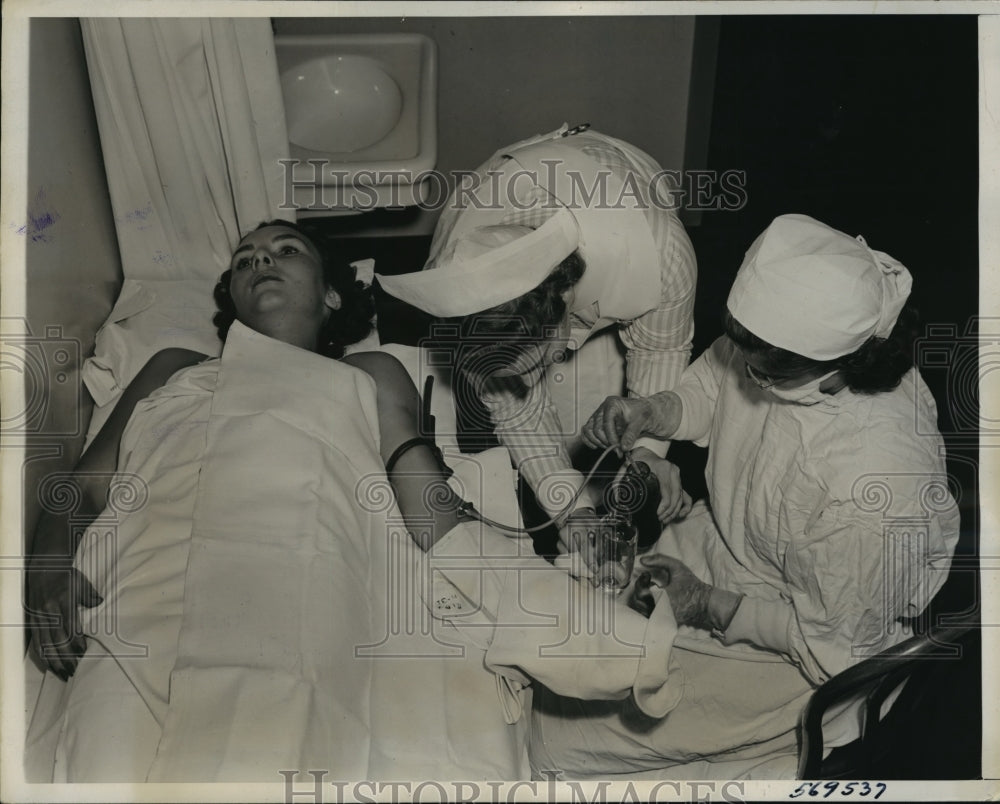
(246, 597)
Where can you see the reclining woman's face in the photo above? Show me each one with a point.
(278, 288)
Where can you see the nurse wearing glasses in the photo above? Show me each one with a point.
(821, 434)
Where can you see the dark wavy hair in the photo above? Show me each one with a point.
(347, 325)
(499, 335)
(877, 365)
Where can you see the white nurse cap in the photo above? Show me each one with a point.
(474, 274)
(812, 290)
(609, 229)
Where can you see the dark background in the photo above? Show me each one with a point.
(868, 124)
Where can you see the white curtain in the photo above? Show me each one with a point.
(192, 127)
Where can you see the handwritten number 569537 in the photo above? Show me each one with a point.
(827, 789)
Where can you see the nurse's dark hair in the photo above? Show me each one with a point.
(346, 325)
(498, 336)
(877, 365)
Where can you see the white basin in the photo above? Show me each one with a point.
(340, 103)
(361, 111)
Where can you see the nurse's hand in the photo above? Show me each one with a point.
(619, 421)
(645, 594)
(675, 503)
(695, 603)
(688, 596)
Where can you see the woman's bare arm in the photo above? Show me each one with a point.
(428, 505)
(54, 588)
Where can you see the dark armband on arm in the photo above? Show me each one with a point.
(418, 441)
(428, 426)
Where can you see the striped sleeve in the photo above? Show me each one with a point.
(658, 343)
(530, 429)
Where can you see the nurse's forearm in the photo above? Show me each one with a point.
(722, 607)
(764, 623)
(667, 410)
(533, 435)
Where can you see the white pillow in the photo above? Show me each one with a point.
(149, 316)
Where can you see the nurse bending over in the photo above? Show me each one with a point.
(558, 238)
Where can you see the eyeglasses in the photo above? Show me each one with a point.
(760, 380)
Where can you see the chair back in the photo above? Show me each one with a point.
(871, 682)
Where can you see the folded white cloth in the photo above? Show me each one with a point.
(537, 622)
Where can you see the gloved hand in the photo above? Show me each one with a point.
(688, 596)
(619, 421)
(693, 601)
(645, 594)
(675, 503)
(53, 596)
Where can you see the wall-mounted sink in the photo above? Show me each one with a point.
(361, 112)
(361, 103)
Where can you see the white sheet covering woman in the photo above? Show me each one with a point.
(829, 514)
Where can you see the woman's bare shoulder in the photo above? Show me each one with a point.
(374, 361)
(159, 368)
(385, 369)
